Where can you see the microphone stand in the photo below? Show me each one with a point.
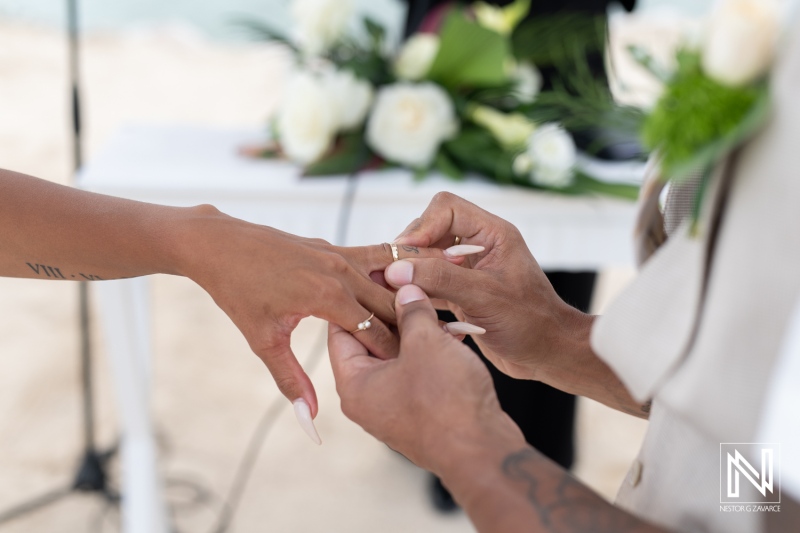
(91, 476)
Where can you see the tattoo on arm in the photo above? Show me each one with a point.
(646, 406)
(562, 503)
(412, 249)
(47, 271)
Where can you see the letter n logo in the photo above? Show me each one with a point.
(747, 473)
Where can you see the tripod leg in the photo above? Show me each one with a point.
(34, 504)
(123, 310)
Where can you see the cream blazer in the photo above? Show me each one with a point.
(699, 330)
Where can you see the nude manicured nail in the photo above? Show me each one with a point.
(460, 250)
(408, 294)
(303, 413)
(463, 328)
(399, 273)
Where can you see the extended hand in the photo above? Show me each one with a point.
(502, 289)
(266, 281)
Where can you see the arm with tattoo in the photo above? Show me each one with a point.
(523, 491)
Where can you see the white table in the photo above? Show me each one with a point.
(185, 166)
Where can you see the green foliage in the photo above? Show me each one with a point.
(697, 120)
(261, 30)
(474, 149)
(350, 154)
(469, 55)
(585, 184)
(557, 40)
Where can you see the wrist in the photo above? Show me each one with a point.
(189, 238)
(472, 461)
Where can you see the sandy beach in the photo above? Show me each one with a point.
(210, 391)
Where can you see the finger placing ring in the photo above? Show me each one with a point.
(363, 326)
(395, 253)
(457, 241)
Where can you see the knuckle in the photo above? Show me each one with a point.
(443, 198)
(335, 263)
(442, 278)
(206, 210)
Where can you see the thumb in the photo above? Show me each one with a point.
(416, 316)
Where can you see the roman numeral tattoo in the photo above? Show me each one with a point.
(55, 273)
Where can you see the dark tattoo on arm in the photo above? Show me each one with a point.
(562, 503)
(47, 271)
(412, 249)
(646, 406)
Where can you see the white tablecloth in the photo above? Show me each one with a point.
(192, 165)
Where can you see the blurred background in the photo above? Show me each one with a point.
(187, 62)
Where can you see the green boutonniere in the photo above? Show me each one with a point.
(718, 96)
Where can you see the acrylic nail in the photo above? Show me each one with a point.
(463, 328)
(303, 413)
(460, 250)
(409, 293)
(399, 273)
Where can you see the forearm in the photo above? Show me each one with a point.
(575, 367)
(48, 231)
(506, 486)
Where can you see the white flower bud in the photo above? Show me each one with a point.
(416, 56)
(320, 23)
(740, 43)
(511, 130)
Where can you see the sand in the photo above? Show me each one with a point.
(210, 391)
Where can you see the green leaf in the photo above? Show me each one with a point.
(446, 166)
(648, 62)
(349, 155)
(474, 149)
(556, 40)
(469, 54)
(264, 31)
(585, 184)
(376, 32)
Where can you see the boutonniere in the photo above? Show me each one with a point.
(717, 96)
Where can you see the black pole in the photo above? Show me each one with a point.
(91, 475)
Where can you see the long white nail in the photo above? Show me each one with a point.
(303, 413)
(462, 328)
(460, 250)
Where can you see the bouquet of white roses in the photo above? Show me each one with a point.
(457, 99)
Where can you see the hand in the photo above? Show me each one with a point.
(502, 289)
(434, 398)
(266, 281)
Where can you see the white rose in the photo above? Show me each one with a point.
(527, 82)
(409, 122)
(553, 154)
(741, 40)
(350, 98)
(320, 23)
(416, 56)
(306, 120)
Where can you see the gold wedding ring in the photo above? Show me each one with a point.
(395, 253)
(457, 241)
(365, 325)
